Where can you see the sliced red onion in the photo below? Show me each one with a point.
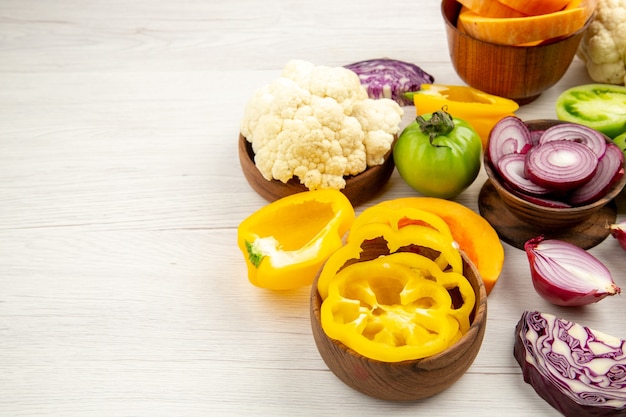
(390, 78)
(579, 371)
(610, 170)
(539, 200)
(576, 133)
(560, 165)
(512, 168)
(509, 135)
(618, 231)
(566, 275)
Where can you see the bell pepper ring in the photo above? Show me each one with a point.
(286, 242)
(400, 217)
(481, 110)
(410, 238)
(396, 307)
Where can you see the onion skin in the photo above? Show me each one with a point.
(566, 275)
(618, 231)
(578, 384)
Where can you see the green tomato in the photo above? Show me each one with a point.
(621, 142)
(599, 106)
(438, 155)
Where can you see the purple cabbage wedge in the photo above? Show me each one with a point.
(390, 78)
(578, 371)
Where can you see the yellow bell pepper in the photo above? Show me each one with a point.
(481, 110)
(393, 236)
(397, 307)
(286, 242)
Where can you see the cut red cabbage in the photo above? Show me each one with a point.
(579, 371)
(610, 170)
(560, 165)
(390, 78)
(577, 133)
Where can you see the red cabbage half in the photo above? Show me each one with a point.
(578, 371)
(390, 78)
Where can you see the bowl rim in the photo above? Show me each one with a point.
(495, 179)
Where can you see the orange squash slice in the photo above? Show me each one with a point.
(522, 30)
(490, 8)
(535, 7)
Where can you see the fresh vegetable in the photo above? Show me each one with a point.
(408, 301)
(438, 155)
(286, 242)
(481, 110)
(390, 78)
(490, 8)
(510, 135)
(395, 237)
(599, 106)
(620, 141)
(535, 7)
(603, 45)
(486, 252)
(522, 30)
(610, 169)
(618, 231)
(566, 275)
(317, 123)
(560, 165)
(577, 370)
(565, 157)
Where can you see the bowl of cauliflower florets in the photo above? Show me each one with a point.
(314, 127)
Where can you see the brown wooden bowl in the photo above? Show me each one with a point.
(548, 218)
(520, 73)
(409, 380)
(358, 189)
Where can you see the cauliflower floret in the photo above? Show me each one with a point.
(603, 46)
(380, 120)
(317, 123)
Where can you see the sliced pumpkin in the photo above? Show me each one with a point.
(490, 8)
(523, 30)
(475, 236)
(534, 7)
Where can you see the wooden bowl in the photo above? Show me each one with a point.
(409, 380)
(358, 189)
(520, 73)
(549, 218)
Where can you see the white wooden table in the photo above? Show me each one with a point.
(122, 291)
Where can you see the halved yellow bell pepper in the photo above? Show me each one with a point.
(481, 110)
(286, 242)
(396, 307)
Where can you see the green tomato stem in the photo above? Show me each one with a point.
(439, 124)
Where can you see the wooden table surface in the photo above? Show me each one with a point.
(122, 291)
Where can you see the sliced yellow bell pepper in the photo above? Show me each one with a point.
(396, 307)
(393, 237)
(481, 110)
(286, 242)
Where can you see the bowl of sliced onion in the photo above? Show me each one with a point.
(553, 174)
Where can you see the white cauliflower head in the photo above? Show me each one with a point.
(603, 46)
(317, 123)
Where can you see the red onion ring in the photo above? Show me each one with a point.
(576, 133)
(512, 168)
(509, 135)
(560, 165)
(610, 170)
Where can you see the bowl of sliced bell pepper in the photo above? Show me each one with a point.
(399, 312)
